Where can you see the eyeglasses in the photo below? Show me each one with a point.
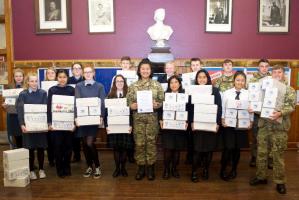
(119, 81)
(77, 68)
(90, 72)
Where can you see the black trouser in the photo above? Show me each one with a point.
(62, 141)
(171, 157)
(230, 156)
(76, 144)
(202, 158)
(19, 141)
(50, 149)
(90, 151)
(40, 158)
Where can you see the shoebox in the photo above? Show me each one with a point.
(82, 111)
(63, 99)
(35, 108)
(231, 122)
(90, 101)
(211, 127)
(66, 117)
(94, 110)
(182, 97)
(118, 110)
(271, 93)
(243, 114)
(237, 104)
(118, 120)
(167, 114)
(20, 182)
(36, 122)
(269, 102)
(15, 164)
(11, 92)
(201, 98)
(255, 96)
(267, 112)
(205, 117)
(127, 73)
(10, 105)
(63, 126)
(59, 107)
(256, 106)
(231, 113)
(118, 128)
(11, 174)
(170, 97)
(205, 108)
(181, 116)
(174, 124)
(243, 123)
(46, 85)
(200, 89)
(15, 155)
(253, 87)
(88, 120)
(174, 106)
(116, 102)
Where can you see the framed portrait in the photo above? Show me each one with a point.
(219, 16)
(53, 16)
(101, 16)
(273, 16)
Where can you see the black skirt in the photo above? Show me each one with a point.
(13, 127)
(84, 131)
(174, 139)
(205, 141)
(234, 138)
(35, 140)
(120, 141)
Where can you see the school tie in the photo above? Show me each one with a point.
(238, 95)
(88, 84)
(120, 95)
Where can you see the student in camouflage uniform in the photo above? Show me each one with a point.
(263, 71)
(277, 133)
(145, 125)
(226, 81)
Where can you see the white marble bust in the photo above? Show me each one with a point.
(159, 31)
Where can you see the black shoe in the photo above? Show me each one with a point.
(67, 172)
(232, 174)
(166, 173)
(175, 173)
(123, 172)
(205, 174)
(255, 181)
(151, 172)
(252, 162)
(194, 177)
(140, 172)
(281, 188)
(223, 176)
(116, 172)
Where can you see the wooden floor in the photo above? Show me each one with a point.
(77, 187)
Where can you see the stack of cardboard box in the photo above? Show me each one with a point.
(35, 116)
(88, 111)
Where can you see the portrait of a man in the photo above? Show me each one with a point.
(52, 10)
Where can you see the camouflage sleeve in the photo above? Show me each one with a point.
(130, 95)
(160, 93)
(289, 102)
(217, 83)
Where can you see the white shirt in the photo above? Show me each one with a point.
(231, 94)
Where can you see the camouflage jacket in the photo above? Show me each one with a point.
(154, 86)
(257, 76)
(286, 110)
(224, 83)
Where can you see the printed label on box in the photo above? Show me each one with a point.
(174, 124)
(118, 110)
(116, 102)
(94, 110)
(35, 108)
(168, 114)
(181, 116)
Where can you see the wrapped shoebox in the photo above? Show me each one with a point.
(205, 108)
(174, 124)
(46, 85)
(254, 87)
(211, 127)
(255, 96)
(88, 120)
(243, 114)
(118, 120)
(35, 108)
(63, 99)
(237, 104)
(15, 155)
(181, 116)
(116, 110)
(200, 98)
(14, 164)
(89, 101)
(59, 107)
(267, 112)
(66, 117)
(271, 93)
(10, 105)
(256, 106)
(170, 97)
(205, 117)
(200, 89)
(231, 113)
(11, 174)
(36, 122)
(118, 128)
(11, 92)
(94, 110)
(174, 106)
(170, 115)
(63, 125)
(269, 103)
(127, 74)
(182, 98)
(20, 182)
(267, 83)
(243, 123)
(121, 102)
(82, 111)
(231, 122)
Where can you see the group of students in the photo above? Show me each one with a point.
(145, 127)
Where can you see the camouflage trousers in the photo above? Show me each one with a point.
(253, 147)
(278, 140)
(145, 135)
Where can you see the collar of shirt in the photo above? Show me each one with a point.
(89, 82)
(30, 90)
(119, 92)
(77, 77)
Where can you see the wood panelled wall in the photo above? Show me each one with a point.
(182, 67)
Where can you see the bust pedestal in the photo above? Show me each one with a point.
(160, 55)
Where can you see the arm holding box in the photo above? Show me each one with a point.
(289, 102)
(218, 102)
